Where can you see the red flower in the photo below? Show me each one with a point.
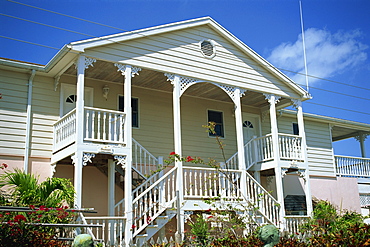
(32, 207)
(148, 220)
(189, 159)
(133, 227)
(19, 218)
(211, 216)
(172, 153)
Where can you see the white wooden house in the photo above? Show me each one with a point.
(108, 105)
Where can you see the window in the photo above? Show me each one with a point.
(295, 129)
(216, 117)
(134, 109)
(248, 124)
(71, 99)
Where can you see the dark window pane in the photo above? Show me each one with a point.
(295, 129)
(134, 109)
(216, 117)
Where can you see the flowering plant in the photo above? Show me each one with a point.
(25, 228)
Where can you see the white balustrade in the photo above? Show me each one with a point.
(210, 183)
(112, 231)
(290, 147)
(264, 148)
(154, 201)
(65, 131)
(103, 125)
(352, 166)
(292, 223)
(262, 200)
(143, 161)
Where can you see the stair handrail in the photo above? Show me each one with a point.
(142, 155)
(146, 210)
(138, 190)
(235, 156)
(270, 212)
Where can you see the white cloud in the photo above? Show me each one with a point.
(327, 54)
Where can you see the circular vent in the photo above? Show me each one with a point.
(208, 48)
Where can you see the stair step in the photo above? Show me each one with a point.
(151, 230)
(141, 239)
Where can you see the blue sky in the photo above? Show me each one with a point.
(337, 39)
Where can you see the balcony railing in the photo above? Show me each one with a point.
(261, 149)
(100, 125)
(352, 167)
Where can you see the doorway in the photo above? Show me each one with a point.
(251, 126)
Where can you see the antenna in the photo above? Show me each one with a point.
(304, 46)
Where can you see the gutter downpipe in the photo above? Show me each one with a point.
(28, 122)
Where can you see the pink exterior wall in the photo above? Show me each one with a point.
(341, 191)
(41, 168)
(94, 187)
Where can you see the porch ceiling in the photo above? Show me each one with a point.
(107, 72)
(341, 133)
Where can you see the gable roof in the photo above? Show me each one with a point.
(67, 54)
(81, 46)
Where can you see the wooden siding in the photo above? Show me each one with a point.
(156, 125)
(321, 162)
(319, 145)
(178, 52)
(14, 89)
(45, 111)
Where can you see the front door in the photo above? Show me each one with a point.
(251, 126)
(68, 97)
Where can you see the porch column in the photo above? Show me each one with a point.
(111, 185)
(272, 99)
(176, 82)
(80, 159)
(240, 140)
(304, 173)
(79, 129)
(298, 105)
(128, 165)
(361, 138)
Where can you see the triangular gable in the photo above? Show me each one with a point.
(171, 48)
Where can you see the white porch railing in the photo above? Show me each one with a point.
(100, 125)
(209, 183)
(260, 149)
(112, 232)
(263, 201)
(143, 161)
(154, 201)
(65, 131)
(351, 166)
(200, 182)
(292, 223)
(103, 125)
(290, 147)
